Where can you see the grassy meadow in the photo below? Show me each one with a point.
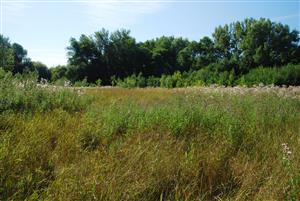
(202, 143)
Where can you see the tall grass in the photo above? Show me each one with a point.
(149, 144)
(22, 93)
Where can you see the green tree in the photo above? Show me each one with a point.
(58, 72)
(233, 51)
(7, 60)
(42, 70)
(20, 58)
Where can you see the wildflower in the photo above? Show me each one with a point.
(286, 151)
(67, 83)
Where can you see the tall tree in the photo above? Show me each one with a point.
(42, 70)
(7, 60)
(22, 62)
(235, 48)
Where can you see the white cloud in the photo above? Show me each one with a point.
(12, 13)
(14, 9)
(116, 14)
(110, 14)
(285, 17)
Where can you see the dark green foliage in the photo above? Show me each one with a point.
(42, 70)
(287, 75)
(153, 81)
(7, 54)
(103, 55)
(233, 51)
(58, 72)
(132, 81)
(13, 58)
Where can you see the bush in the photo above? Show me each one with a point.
(98, 82)
(285, 75)
(209, 75)
(262, 75)
(81, 83)
(61, 82)
(153, 81)
(167, 81)
(130, 82)
(288, 75)
(22, 93)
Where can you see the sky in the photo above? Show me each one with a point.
(44, 27)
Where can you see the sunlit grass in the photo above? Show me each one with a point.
(150, 144)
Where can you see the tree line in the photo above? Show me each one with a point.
(13, 58)
(233, 51)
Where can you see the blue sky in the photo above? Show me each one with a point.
(44, 27)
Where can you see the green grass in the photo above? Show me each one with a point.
(149, 144)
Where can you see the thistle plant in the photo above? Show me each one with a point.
(293, 192)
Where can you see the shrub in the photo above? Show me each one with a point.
(82, 83)
(285, 75)
(288, 75)
(61, 82)
(153, 81)
(130, 82)
(98, 83)
(262, 75)
(22, 93)
(167, 81)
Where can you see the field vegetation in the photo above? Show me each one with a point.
(175, 119)
(208, 143)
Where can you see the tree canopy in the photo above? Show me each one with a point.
(234, 49)
(239, 46)
(13, 58)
